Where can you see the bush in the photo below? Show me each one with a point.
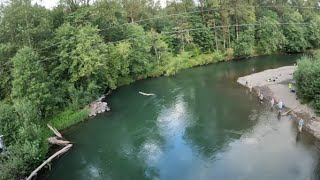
(181, 61)
(307, 78)
(27, 145)
(8, 122)
(229, 54)
(217, 56)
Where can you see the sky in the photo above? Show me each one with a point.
(47, 3)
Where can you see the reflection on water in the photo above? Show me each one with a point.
(200, 125)
(268, 151)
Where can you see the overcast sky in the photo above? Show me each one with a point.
(47, 3)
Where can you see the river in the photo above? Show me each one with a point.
(200, 125)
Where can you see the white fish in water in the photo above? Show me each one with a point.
(146, 94)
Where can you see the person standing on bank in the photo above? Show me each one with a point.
(261, 98)
(301, 123)
(272, 102)
(280, 106)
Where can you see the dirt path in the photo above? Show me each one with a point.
(274, 83)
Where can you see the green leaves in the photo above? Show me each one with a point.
(24, 142)
(314, 31)
(294, 32)
(307, 78)
(24, 24)
(244, 45)
(82, 58)
(30, 80)
(269, 36)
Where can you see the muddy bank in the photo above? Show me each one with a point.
(274, 83)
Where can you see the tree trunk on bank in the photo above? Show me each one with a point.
(62, 151)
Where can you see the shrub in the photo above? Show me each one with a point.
(229, 54)
(8, 122)
(27, 145)
(217, 56)
(307, 78)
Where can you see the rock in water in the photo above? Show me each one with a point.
(98, 107)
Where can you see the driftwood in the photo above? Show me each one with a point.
(289, 111)
(146, 94)
(55, 131)
(286, 112)
(63, 150)
(55, 140)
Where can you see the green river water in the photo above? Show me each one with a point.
(200, 125)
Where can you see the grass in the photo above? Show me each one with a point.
(68, 118)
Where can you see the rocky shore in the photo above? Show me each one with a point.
(274, 83)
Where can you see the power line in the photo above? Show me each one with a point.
(208, 10)
(239, 25)
(181, 31)
(191, 12)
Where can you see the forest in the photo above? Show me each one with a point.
(54, 62)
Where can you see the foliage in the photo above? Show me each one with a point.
(244, 45)
(30, 80)
(307, 78)
(69, 117)
(270, 38)
(7, 51)
(314, 31)
(25, 144)
(294, 32)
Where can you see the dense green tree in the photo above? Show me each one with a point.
(269, 37)
(204, 38)
(82, 65)
(295, 32)
(244, 45)
(118, 56)
(25, 24)
(8, 122)
(314, 31)
(158, 46)
(7, 51)
(139, 57)
(181, 38)
(307, 78)
(30, 80)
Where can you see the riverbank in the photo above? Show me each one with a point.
(274, 83)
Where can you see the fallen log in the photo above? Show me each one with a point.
(63, 150)
(146, 94)
(286, 112)
(55, 131)
(55, 140)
